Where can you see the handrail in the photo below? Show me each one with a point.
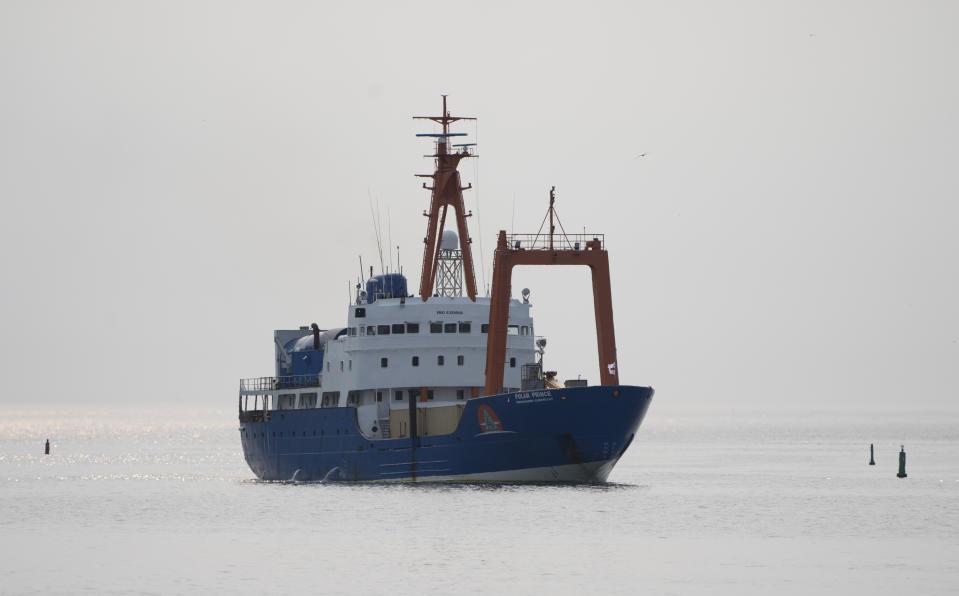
(266, 384)
(560, 241)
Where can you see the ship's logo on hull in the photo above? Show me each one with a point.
(489, 422)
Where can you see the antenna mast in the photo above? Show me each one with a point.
(446, 192)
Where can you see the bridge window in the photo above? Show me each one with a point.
(460, 394)
(307, 400)
(341, 366)
(352, 332)
(360, 312)
(384, 362)
(436, 327)
(416, 360)
(513, 330)
(439, 360)
(399, 328)
(379, 396)
(330, 399)
(464, 326)
(371, 330)
(449, 328)
(382, 329)
(484, 328)
(429, 395)
(524, 330)
(398, 396)
(459, 360)
(512, 362)
(412, 327)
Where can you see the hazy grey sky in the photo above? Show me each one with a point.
(180, 178)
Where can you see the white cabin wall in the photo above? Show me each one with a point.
(361, 355)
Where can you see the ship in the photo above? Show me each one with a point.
(444, 385)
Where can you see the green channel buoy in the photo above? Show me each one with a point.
(872, 458)
(902, 462)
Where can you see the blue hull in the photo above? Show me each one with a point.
(567, 435)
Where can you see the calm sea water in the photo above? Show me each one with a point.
(161, 502)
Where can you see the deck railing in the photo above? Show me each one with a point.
(560, 241)
(268, 384)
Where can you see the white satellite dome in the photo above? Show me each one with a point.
(450, 240)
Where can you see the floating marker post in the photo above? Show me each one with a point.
(872, 458)
(902, 462)
(46, 450)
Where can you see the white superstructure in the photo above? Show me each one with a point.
(396, 349)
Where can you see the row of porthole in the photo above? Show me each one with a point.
(263, 434)
(440, 361)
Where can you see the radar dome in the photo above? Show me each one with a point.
(450, 240)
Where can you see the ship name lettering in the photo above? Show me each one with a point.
(533, 396)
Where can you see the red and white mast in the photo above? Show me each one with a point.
(446, 192)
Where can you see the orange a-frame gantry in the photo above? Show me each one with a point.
(541, 249)
(447, 193)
